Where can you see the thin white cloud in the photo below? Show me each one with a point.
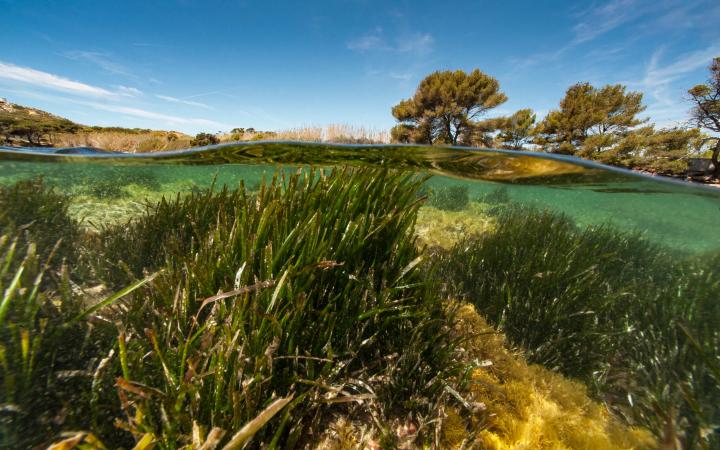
(145, 114)
(667, 106)
(128, 91)
(47, 80)
(700, 15)
(647, 16)
(167, 119)
(415, 43)
(657, 75)
(366, 42)
(401, 76)
(669, 116)
(168, 98)
(418, 43)
(601, 19)
(539, 58)
(102, 60)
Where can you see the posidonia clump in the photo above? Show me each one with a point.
(308, 290)
(267, 313)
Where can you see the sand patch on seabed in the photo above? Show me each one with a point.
(94, 213)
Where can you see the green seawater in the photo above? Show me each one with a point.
(679, 215)
(605, 276)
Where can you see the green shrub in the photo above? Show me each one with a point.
(319, 299)
(202, 139)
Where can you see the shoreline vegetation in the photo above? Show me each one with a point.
(297, 313)
(603, 124)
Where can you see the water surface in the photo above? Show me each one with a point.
(113, 187)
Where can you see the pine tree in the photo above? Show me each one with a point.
(518, 129)
(445, 107)
(586, 111)
(706, 110)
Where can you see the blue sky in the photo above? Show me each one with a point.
(193, 65)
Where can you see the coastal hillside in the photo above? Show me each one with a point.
(23, 126)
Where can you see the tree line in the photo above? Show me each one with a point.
(598, 123)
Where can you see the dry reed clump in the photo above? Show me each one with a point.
(341, 133)
(527, 406)
(333, 133)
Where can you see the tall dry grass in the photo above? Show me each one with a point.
(336, 133)
(333, 133)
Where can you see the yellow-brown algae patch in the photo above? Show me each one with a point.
(528, 406)
(439, 228)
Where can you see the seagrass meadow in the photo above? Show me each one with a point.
(286, 295)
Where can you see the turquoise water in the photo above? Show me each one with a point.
(679, 215)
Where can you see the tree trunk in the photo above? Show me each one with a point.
(714, 159)
(448, 128)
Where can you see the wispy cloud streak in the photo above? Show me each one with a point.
(659, 75)
(102, 60)
(47, 80)
(417, 43)
(170, 99)
(604, 18)
(145, 114)
(666, 104)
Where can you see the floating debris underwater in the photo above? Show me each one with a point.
(399, 300)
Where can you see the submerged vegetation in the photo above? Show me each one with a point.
(280, 261)
(607, 308)
(221, 333)
(449, 198)
(39, 214)
(308, 313)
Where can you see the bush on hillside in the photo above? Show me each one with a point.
(203, 139)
